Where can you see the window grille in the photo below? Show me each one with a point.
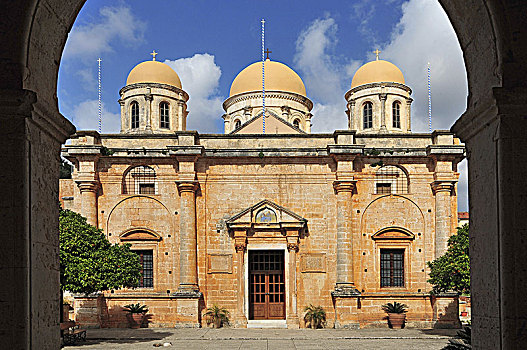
(140, 180)
(391, 180)
(146, 258)
(392, 267)
(164, 110)
(396, 114)
(135, 115)
(367, 114)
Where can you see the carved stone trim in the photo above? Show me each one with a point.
(442, 186)
(240, 247)
(345, 292)
(87, 186)
(292, 247)
(187, 294)
(187, 186)
(343, 186)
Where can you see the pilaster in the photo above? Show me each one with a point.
(443, 214)
(382, 98)
(88, 190)
(292, 237)
(240, 245)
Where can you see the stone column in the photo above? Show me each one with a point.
(494, 134)
(124, 119)
(382, 97)
(31, 134)
(181, 116)
(188, 268)
(148, 110)
(88, 191)
(351, 116)
(292, 248)
(443, 216)
(240, 245)
(345, 278)
(409, 113)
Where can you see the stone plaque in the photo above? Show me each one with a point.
(314, 262)
(220, 263)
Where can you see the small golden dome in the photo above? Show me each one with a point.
(377, 72)
(278, 77)
(153, 72)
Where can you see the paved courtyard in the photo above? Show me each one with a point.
(207, 338)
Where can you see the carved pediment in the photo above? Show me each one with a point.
(266, 215)
(393, 233)
(139, 234)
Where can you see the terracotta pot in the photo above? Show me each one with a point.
(217, 323)
(135, 320)
(396, 320)
(464, 313)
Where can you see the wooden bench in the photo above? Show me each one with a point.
(71, 332)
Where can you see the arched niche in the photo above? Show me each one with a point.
(139, 234)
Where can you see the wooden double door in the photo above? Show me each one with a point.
(266, 285)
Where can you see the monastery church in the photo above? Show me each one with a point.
(268, 217)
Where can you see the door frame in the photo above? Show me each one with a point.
(267, 246)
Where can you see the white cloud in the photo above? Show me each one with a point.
(87, 76)
(200, 77)
(324, 77)
(424, 34)
(462, 186)
(90, 40)
(85, 117)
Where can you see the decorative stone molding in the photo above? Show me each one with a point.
(88, 186)
(187, 186)
(343, 292)
(443, 186)
(182, 94)
(187, 294)
(343, 186)
(240, 247)
(292, 247)
(270, 95)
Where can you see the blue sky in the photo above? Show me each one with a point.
(208, 42)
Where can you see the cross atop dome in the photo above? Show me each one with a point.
(267, 52)
(154, 54)
(377, 52)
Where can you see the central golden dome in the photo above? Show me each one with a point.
(377, 72)
(278, 77)
(153, 72)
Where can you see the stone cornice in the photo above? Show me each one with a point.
(187, 186)
(155, 86)
(268, 94)
(377, 85)
(344, 186)
(87, 185)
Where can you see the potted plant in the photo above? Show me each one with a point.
(136, 314)
(217, 315)
(315, 316)
(396, 314)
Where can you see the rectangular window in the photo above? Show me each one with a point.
(392, 267)
(146, 257)
(148, 188)
(384, 188)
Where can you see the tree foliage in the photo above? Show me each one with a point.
(65, 169)
(451, 272)
(89, 263)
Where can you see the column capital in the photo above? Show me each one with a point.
(240, 246)
(383, 97)
(344, 186)
(187, 186)
(87, 185)
(443, 186)
(292, 247)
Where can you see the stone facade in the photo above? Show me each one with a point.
(331, 225)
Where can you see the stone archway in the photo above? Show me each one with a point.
(494, 43)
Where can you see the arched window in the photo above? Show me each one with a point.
(164, 119)
(140, 180)
(367, 114)
(296, 123)
(396, 114)
(135, 115)
(237, 124)
(391, 180)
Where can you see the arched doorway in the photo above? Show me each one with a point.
(31, 132)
